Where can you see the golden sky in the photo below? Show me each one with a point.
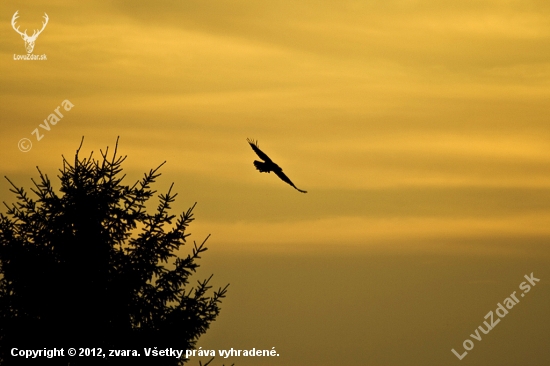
(419, 129)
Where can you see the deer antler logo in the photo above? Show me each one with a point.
(29, 41)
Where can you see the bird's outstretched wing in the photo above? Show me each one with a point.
(283, 176)
(260, 153)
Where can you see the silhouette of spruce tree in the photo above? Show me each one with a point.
(89, 268)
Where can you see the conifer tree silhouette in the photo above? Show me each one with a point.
(91, 268)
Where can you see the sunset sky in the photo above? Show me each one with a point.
(420, 130)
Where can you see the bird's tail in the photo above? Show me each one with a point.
(262, 167)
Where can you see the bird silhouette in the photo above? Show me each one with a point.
(268, 166)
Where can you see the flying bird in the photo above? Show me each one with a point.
(268, 166)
